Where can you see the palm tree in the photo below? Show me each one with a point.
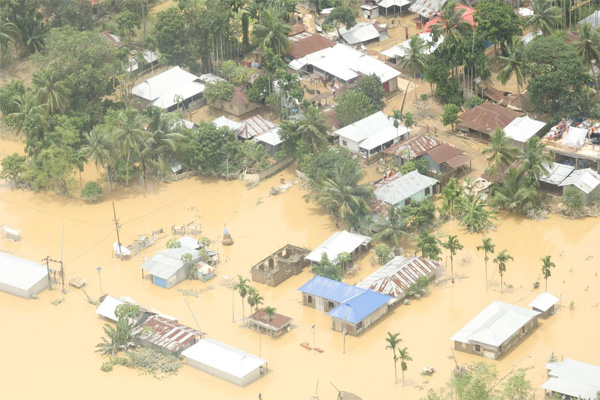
(271, 31)
(31, 119)
(342, 196)
(242, 287)
(98, 150)
(313, 128)
(397, 117)
(452, 244)
(588, 48)
(254, 298)
(270, 312)
(501, 152)
(501, 260)
(164, 134)
(409, 120)
(474, 215)
(50, 90)
(513, 63)
(415, 58)
(8, 32)
(451, 26)
(392, 342)
(404, 357)
(129, 132)
(428, 245)
(545, 17)
(487, 247)
(390, 229)
(534, 159)
(516, 193)
(546, 265)
(451, 195)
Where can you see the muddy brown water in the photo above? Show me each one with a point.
(47, 351)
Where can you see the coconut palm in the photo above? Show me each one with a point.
(270, 312)
(428, 245)
(501, 152)
(534, 159)
(271, 32)
(587, 48)
(451, 26)
(451, 196)
(164, 134)
(99, 150)
(474, 215)
(545, 17)
(129, 133)
(513, 63)
(242, 288)
(254, 298)
(390, 229)
(313, 128)
(452, 244)
(515, 193)
(9, 32)
(50, 90)
(31, 119)
(488, 248)
(404, 357)
(392, 342)
(415, 58)
(397, 118)
(502, 258)
(546, 265)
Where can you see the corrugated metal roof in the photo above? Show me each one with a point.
(495, 324)
(20, 273)
(162, 89)
(427, 8)
(444, 152)
(413, 147)
(367, 127)
(167, 262)
(329, 289)
(584, 179)
(573, 378)
(398, 188)
(271, 137)
(165, 333)
(302, 47)
(360, 306)
(556, 173)
(337, 243)
(485, 118)
(279, 320)
(544, 301)
(390, 3)
(359, 33)
(255, 126)
(395, 277)
(224, 121)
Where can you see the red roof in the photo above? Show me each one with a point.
(239, 98)
(416, 146)
(166, 333)
(309, 45)
(467, 16)
(279, 321)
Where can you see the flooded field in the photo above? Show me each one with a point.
(47, 351)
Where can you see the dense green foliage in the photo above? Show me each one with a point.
(352, 106)
(328, 269)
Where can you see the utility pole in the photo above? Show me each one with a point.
(314, 341)
(62, 275)
(62, 271)
(47, 259)
(116, 221)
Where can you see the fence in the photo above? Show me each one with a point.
(270, 171)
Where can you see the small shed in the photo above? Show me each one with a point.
(280, 265)
(225, 362)
(446, 158)
(166, 268)
(556, 174)
(270, 141)
(340, 242)
(356, 314)
(277, 326)
(165, 335)
(255, 126)
(239, 104)
(205, 271)
(14, 235)
(22, 277)
(586, 180)
(401, 190)
(109, 305)
(369, 11)
(361, 33)
(544, 304)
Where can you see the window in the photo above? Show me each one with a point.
(463, 345)
(309, 299)
(407, 201)
(359, 326)
(523, 330)
(477, 348)
(330, 305)
(427, 191)
(344, 143)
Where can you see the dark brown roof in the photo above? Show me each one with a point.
(309, 45)
(416, 146)
(333, 123)
(443, 153)
(296, 29)
(508, 99)
(278, 321)
(166, 333)
(486, 117)
(111, 39)
(459, 160)
(239, 97)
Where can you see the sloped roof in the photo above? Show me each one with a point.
(360, 306)
(359, 33)
(162, 89)
(427, 8)
(593, 19)
(556, 173)
(19, 272)
(485, 118)
(165, 333)
(395, 277)
(372, 131)
(398, 188)
(339, 242)
(495, 324)
(308, 45)
(271, 137)
(573, 378)
(401, 49)
(522, 128)
(467, 16)
(329, 289)
(390, 3)
(413, 147)
(544, 301)
(115, 40)
(166, 263)
(585, 180)
(444, 152)
(279, 320)
(255, 126)
(239, 98)
(224, 121)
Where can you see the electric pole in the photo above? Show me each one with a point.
(62, 271)
(47, 259)
(116, 221)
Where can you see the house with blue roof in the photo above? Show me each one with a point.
(351, 308)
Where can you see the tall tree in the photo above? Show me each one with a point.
(254, 299)
(397, 118)
(516, 193)
(534, 159)
(342, 15)
(513, 63)
(30, 119)
(404, 358)
(50, 90)
(415, 58)
(390, 229)
(488, 248)
(129, 133)
(474, 215)
(587, 48)
(547, 265)
(451, 26)
(502, 258)
(428, 245)
(452, 244)
(501, 152)
(98, 150)
(545, 17)
(372, 87)
(496, 21)
(271, 31)
(451, 195)
(9, 32)
(313, 128)
(352, 106)
(241, 286)
(270, 313)
(392, 341)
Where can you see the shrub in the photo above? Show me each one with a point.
(13, 166)
(383, 253)
(573, 199)
(473, 101)
(92, 191)
(107, 366)
(173, 243)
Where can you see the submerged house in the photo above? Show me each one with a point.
(495, 330)
(165, 335)
(340, 242)
(166, 269)
(275, 326)
(401, 190)
(109, 304)
(447, 161)
(586, 180)
(326, 294)
(22, 277)
(555, 175)
(281, 265)
(544, 304)
(225, 362)
(411, 149)
(570, 379)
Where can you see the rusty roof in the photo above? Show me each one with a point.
(486, 117)
(443, 153)
(296, 29)
(112, 39)
(167, 333)
(279, 320)
(309, 45)
(239, 97)
(507, 99)
(413, 147)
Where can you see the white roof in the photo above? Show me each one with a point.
(337, 243)
(210, 78)
(108, 307)
(166, 263)
(397, 189)
(593, 19)
(427, 8)
(575, 136)
(584, 179)
(271, 138)
(359, 33)
(224, 121)
(522, 128)
(525, 12)
(495, 324)
(556, 173)
(19, 272)
(223, 357)
(366, 127)
(384, 136)
(573, 378)
(188, 242)
(346, 63)
(121, 250)
(161, 89)
(389, 3)
(401, 49)
(544, 301)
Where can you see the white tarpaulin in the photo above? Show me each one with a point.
(575, 136)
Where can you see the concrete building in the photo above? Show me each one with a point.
(166, 269)
(225, 362)
(586, 180)
(570, 379)
(340, 242)
(277, 326)
(22, 277)
(495, 330)
(165, 335)
(544, 304)
(281, 265)
(401, 190)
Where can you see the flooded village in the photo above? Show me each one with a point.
(286, 240)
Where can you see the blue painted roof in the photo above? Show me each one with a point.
(360, 306)
(329, 289)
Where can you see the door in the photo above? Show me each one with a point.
(386, 87)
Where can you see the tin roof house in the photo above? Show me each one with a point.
(544, 304)
(22, 277)
(166, 268)
(340, 242)
(412, 148)
(401, 190)
(572, 379)
(485, 118)
(585, 180)
(165, 335)
(275, 326)
(495, 330)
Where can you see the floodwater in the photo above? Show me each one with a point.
(47, 351)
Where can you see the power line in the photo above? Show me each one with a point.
(90, 248)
